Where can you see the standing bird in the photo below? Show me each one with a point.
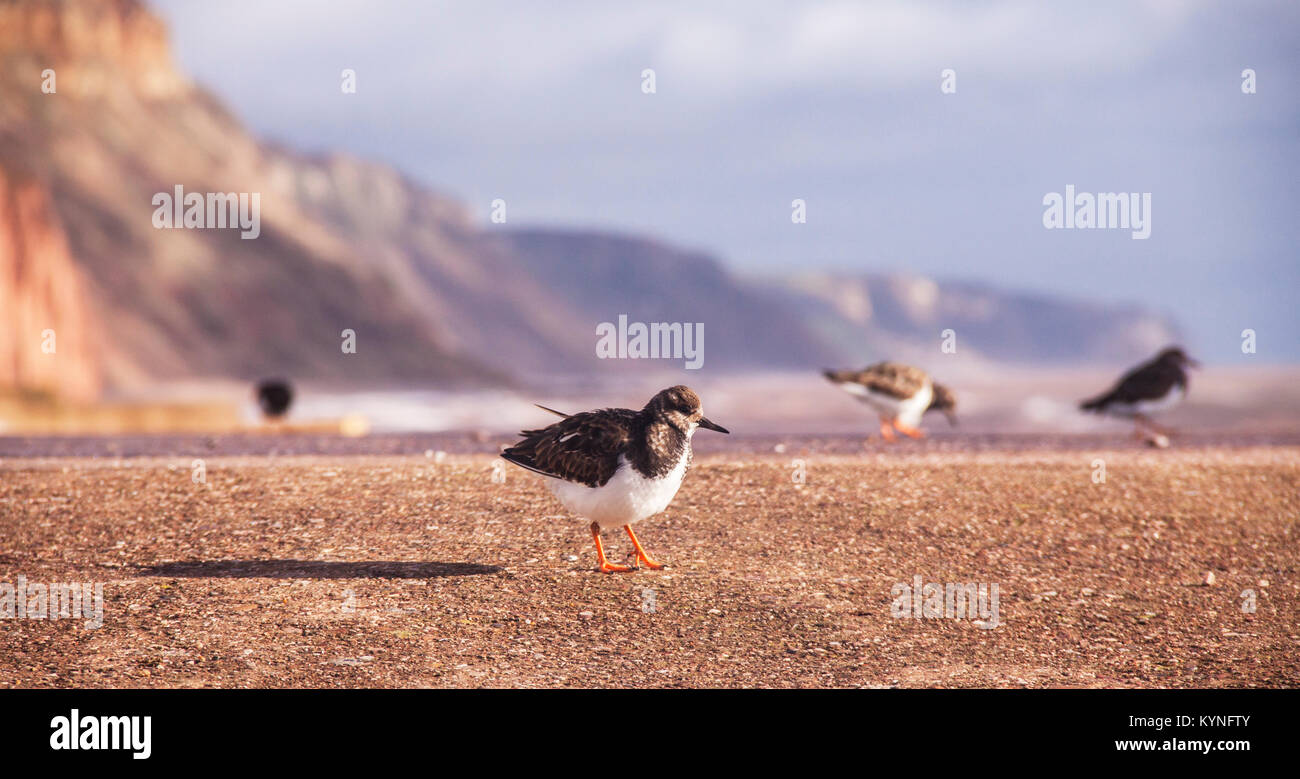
(1157, 385)
(900, 394)
(274, 396)
(616, 466)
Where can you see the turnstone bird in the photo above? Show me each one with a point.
(616, 466)
(1157, 385)
(900, 394)
(274, 396)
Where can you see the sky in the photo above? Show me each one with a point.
(839, 104)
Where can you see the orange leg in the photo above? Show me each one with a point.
(1142, 419)
(887, 432)
(909, 431)
(1144, 430)
(640, 551)
(605, 565)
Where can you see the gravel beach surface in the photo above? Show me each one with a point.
(419, 561)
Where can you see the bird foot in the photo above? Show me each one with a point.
(639, 551)
(910, 432)
(1159, 441)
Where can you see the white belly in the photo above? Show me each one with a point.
(626, 498)
(1147, 407)
(906, 410)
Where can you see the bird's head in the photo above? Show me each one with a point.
(943, 400)
(274, 396)
(680, 407)
(1174, 355)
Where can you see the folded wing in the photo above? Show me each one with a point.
(1150, 381)
(583, 448)
(885, 378)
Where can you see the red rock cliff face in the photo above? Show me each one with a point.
(83, 163)
(78, 37)
(46, 343)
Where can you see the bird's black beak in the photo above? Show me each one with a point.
(706, 424)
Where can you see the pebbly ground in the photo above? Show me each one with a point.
(360, 569)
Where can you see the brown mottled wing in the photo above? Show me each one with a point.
(583, 448)
(891, 378)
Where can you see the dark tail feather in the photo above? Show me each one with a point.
(523, 459)
(1098, 403)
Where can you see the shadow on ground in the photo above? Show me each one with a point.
(313, 569)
